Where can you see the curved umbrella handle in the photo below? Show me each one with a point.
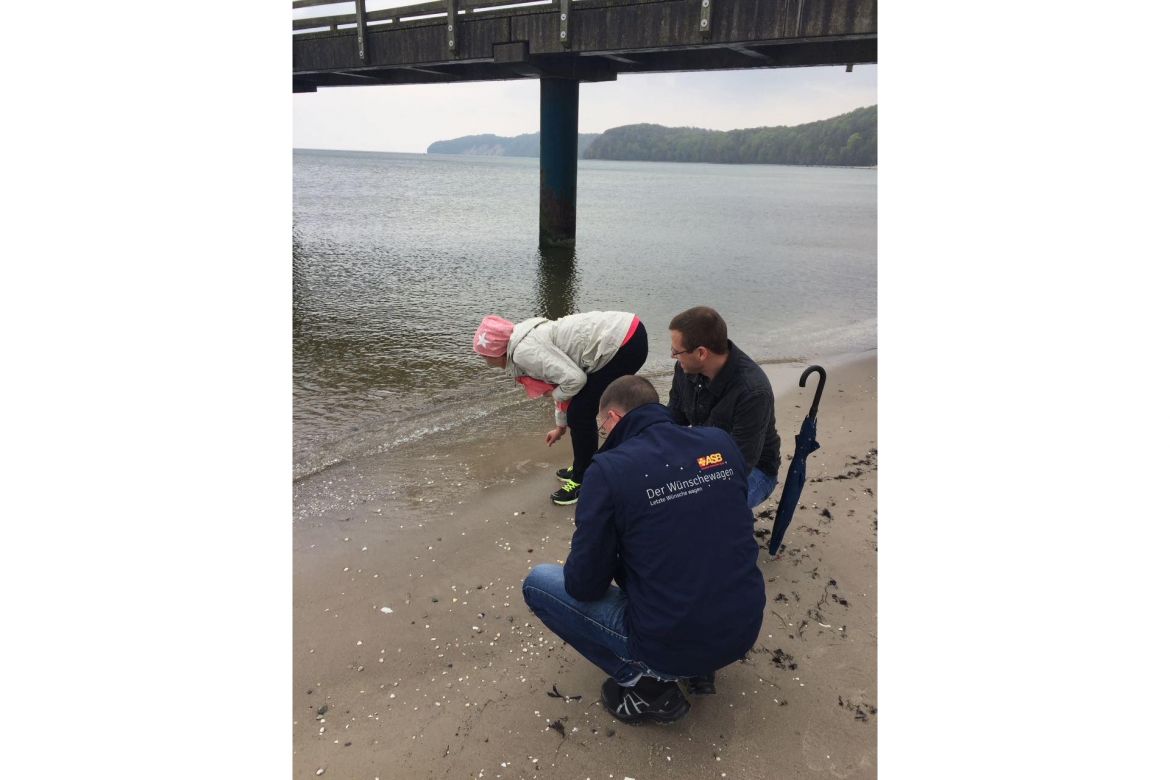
(812, 412)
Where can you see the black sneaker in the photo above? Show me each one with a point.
(701, 685)
(565, 475)
(650, 699)
(567, 494)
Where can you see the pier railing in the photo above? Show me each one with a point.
(584, 40)
(427, 14)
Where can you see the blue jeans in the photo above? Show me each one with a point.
(760, 486)
(595, 629)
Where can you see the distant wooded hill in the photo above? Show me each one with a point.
(848, 139)
(517, 146)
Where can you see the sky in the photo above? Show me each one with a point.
(408, 118)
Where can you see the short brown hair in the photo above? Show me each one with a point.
(628, 393)
(701, 326)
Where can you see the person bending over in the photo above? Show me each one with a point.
(574, 358)
(664, 515)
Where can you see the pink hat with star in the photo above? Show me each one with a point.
(491, 338)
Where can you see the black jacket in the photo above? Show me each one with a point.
(739, 400)
(664, 513)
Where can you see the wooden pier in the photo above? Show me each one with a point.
(565, 42)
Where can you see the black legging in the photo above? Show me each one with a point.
(584, 406)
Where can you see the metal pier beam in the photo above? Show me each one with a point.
(558, 161)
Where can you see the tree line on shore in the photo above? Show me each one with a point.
(527, 145)
(848, 139)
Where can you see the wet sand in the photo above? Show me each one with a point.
(415, 656)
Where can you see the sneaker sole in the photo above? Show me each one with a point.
(559, 502)
(657, 717)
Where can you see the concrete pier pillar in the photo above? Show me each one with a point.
(558, 161)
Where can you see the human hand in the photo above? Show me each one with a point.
(553, 436)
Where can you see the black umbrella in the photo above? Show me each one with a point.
(806, 442)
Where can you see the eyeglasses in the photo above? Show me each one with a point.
(601, 431)
(676, 352)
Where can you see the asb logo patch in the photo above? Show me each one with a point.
(711, 461)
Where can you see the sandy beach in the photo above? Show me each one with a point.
(415, 656)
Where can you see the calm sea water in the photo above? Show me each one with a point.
(397, 257)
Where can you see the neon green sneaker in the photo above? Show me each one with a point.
(567, 494)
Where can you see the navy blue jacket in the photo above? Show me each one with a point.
(663, 511)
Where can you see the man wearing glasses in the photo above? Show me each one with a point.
(665, 516)
(717, 384)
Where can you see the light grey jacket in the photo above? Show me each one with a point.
(561, 352)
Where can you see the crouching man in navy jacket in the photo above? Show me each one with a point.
(665, 516)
